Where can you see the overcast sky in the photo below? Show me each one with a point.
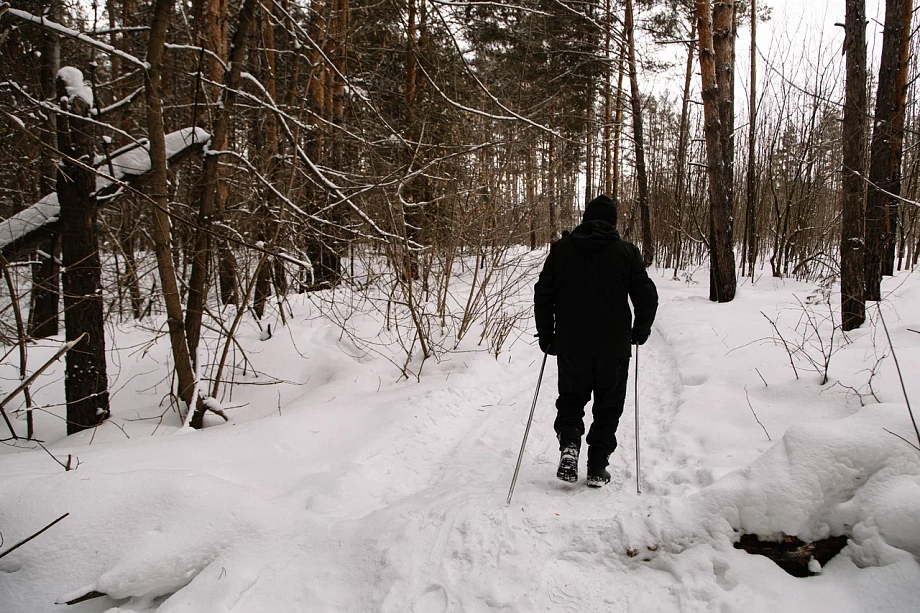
(788, 44)
(795, 20)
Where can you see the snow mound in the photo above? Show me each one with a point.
(847, 477)
(158, 532)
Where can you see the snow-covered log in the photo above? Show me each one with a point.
(131, 165)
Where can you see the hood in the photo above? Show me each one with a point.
(603, 208)
(594, 234)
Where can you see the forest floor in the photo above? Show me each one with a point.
(339, 486)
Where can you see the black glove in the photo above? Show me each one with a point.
(640, 336)
(548, 343)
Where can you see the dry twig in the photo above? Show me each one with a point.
(26, 540)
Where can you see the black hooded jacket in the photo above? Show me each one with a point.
(581, 295)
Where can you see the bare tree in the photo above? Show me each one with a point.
(716, 34)
(648, 245)
(852, 242)
(208, 206)
(162, 235)
(43, 314)
(749, 255)
(887, 139)
(85, 380)
(614, 173)
(680, 188)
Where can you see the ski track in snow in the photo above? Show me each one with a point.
(446, 539)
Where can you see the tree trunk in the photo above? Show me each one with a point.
(722, 283)
(341, 18)
(267, 147)
(530, 183)
(46, 277)
(316, 87)
(211, 23)
(410, 221)
(125, 232)
(132, 280)
(852, 274)
(43, 314)
(680, 187)
(551, 190)
(85, 381)
(211, 18)
(648, 246)
(589, 148)
(618, 127)
(750, 218)
(321, 249)
(208, 206)
(723, 42)
(608, 103)
(887, 141)
(410, 62)
(158, 193)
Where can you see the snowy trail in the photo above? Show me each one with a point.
(358, 493)
(418, 520)
(453, 544)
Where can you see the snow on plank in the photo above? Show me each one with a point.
(23, 229)
(43, 212)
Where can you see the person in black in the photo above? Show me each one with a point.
(583, 317)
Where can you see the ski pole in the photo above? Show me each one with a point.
(636, 398)
(533, 407)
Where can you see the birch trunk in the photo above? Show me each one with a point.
(680, 187)
(750, 218)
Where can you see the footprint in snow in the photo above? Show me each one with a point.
(693, 380)
(434, 600)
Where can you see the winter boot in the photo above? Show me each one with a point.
(568, 463)
(598, 477)
(597, 468)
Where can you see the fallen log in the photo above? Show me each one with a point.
(28, 228)
(792, 554)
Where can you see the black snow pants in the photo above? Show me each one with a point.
(606, 377)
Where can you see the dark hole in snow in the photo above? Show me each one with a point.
(793, 554)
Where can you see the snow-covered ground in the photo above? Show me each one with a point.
(341, 487)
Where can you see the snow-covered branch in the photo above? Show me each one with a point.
(54, 108)
(65, 31)
(123, 102)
